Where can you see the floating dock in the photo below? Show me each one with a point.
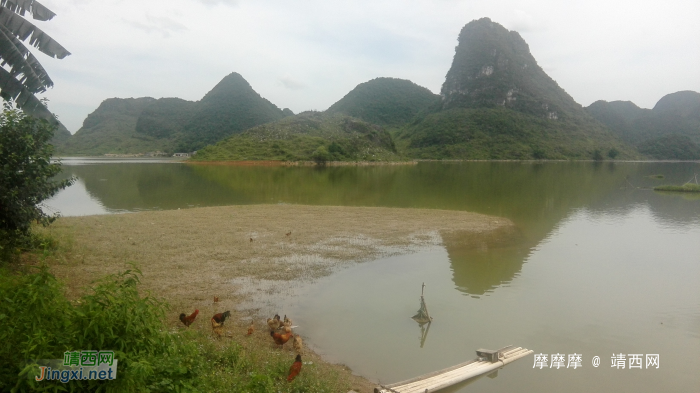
(486, 361)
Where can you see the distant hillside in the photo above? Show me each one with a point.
(305, 137)
(671, 130)
(497, 103)
(111, 128)
(139, 125)
(385, 101)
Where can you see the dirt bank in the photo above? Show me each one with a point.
(189, 256)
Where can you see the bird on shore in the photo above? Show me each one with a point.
(288, 233)
(216, 299)
(217, 328)
(251, 328)
(281, 336)
(217, 322)
(298, 343)
(187, 320)
(273, 324)
(295, 369)
(251, 239)
(221, 317)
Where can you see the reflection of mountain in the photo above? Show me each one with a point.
(535, 196)
(150, 186)
(483, 262)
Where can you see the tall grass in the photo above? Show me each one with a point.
(38, 322)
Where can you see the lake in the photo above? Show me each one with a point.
(599, 264)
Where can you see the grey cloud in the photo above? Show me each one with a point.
(290, 83)
(216, 2)
(158, 24)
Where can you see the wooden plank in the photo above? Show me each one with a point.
(451, 375)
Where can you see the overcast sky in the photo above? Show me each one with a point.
(308, 54)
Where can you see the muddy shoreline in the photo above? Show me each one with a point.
(189, 256)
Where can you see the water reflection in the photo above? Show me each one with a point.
(482, 262)
(535, 196)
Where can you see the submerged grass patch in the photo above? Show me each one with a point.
(688, 187)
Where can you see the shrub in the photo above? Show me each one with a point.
(26, 174)
(39, 323)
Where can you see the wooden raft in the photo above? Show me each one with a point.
(486, 362)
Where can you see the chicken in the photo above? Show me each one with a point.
(187, 320)
(251, 328)
(221, 317)
(273, 324)
(298, 343)
(280, 337)
(217, 328)
(287, 322)
(295, 369)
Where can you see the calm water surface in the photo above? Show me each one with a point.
(599, 264)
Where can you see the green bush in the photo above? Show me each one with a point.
(39, 323)
(26, 174)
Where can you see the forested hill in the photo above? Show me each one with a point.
(385, 101)
(498, 103)
(671, 130)
(308, 136)
(140, 125)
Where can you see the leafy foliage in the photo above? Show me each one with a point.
(25, 76)
(26, 174)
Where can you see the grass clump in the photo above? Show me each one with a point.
(687, 187)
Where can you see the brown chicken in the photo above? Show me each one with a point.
(221, 317)
(272, 324)
(187, 320)
(281, 337)
(217, 328)
(298, 343)
(295, 369)
(251, 328)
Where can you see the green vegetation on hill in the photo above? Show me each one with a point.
(671, 147)
(385, 101)
(669, 131)
(499, 133)
(230, 107)
(497, 103)
(140, 125)
(305, 137)
(111, 128)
